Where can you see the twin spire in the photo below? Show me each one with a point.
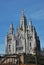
(11, 30)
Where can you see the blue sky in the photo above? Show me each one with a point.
(10, 11)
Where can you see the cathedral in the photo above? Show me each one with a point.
(26, 39)
(22, 48)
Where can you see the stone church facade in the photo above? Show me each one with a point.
(26, 39)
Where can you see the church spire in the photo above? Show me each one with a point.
(30, 22)
(23, 21)
(30, 25)
(11, 30)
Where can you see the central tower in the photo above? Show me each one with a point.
(23, 22)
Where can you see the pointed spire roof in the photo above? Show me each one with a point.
(30, 22)
(33, 32)
(11, 30)
(23, 21)
(11, 25)
(23, 16)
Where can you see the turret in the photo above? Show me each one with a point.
(30, 22)
(34, 41)
(11, 29)
(30, 25)
(9, 41)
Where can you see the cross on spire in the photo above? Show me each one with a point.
(22, 12)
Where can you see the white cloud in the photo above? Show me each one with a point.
(38, 15)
